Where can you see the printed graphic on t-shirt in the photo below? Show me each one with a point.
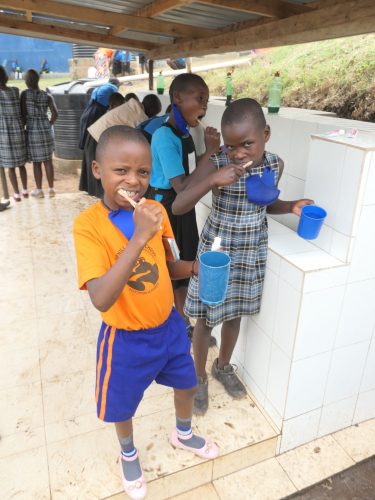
(144, 276)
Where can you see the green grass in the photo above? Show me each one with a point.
(333, 75)
(43, 82)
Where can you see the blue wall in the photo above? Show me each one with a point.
(29, 53)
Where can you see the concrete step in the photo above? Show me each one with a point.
(245, 437)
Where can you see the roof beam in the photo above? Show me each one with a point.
(90, 15)
(267, 8)
(160, 6)
(350, 17)
(9, 24)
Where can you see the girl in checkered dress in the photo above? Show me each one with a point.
(242, 226)
(35, 104)
(12, 138)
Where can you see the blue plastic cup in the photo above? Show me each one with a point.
(213, 277)
(311, 221)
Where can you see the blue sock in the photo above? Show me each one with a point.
(183, 426)
(132, 470)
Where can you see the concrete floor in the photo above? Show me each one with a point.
(53, 446)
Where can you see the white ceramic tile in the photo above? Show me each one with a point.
(266, 316)
(336, 416)
(284, 244)
(240, 347)
(324, 240)
(287, 311)
(314, 462)
(363, 262)
(368, 378)
(306, 385)
(345, 211)
(326, 162)
(313, 260)
(345, 372)
(280, 139)
(319, 280)
(369, 195)
(357, 318)
(291, 274)
(290, 220)
(320, 312)
(276, 418)
(358, 441)
(301, 132)
(340, 246)
(255, 392)
(278, 378)
(299, 430)
(258, 349)
(365, 408)
(273, 262)
(274, 227)
(295, 188)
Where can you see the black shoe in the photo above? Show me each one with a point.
(229, 379)
(201, 398)
(4, 206)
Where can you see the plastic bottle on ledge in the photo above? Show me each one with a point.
(274, 94)
(160, 84)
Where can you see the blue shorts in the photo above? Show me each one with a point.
(127, 362)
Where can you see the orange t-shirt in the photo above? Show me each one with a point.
(147, 298)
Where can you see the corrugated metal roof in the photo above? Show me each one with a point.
(205, 16)
(124, 6)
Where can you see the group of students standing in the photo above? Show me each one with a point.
(149, 199)
(26, 135)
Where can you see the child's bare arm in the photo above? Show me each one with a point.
(182, 269)
(201, 181)
(287, 207)
(105, 291)
(53, 109)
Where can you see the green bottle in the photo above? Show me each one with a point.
(274, 94)
(160, 84)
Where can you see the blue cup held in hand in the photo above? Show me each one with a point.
(213, 277)
(311, 221)
(261, 189)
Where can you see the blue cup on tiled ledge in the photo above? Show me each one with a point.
(213, 277)
(311, 221)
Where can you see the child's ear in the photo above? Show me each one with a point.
(177, 98)
(95, 169)
(267, 133)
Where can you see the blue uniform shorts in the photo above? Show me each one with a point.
(129, 361)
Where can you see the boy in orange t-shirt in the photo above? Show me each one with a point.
(122, 263)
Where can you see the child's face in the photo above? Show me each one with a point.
(126, 165)
(192, 103)
(245, 142)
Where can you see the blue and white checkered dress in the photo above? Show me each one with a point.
(242, 227)
(12, 135)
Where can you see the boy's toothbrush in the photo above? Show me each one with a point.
(123, 193)
(201, 124)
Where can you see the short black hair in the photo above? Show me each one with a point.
(131, 95)
(116, 99)
(151, 105)
(183, 81)
(31, 78)
(3, 76)
(245, 109)
(118, 132)
(114, 81)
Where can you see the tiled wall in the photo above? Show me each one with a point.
(308, 357)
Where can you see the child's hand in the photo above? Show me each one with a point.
(228, 175)
(297, 206)
(212, 140)
(147, 220)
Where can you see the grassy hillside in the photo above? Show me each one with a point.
(334, 75)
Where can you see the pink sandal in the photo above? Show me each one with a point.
(136, 489)
(209, 450)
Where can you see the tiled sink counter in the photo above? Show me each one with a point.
(309, 356)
